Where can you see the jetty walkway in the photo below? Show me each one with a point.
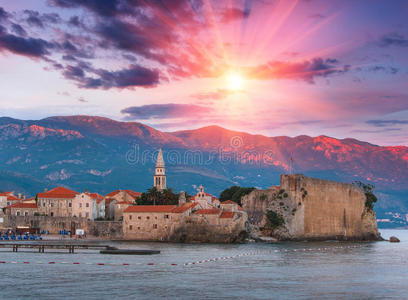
(41, 246)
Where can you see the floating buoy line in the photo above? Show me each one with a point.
(191, 263)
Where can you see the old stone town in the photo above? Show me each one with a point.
(299, 208)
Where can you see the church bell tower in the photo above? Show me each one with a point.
(160, 173)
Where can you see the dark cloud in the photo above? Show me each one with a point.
(165, 111)
(393, 39)
(18, 29)
(3, 15)
(307, 70)
(384, 123)
(390, 70)
(135, 76)
(34, 18)
(376, 131)
(101, 7)
(74, 21)
(31, 47)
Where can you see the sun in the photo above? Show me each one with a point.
(235, 81)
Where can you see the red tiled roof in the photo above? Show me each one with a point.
(240, 207)
(22, 205)
(112, 193)
(133, 194)
(96, 196)
(211, 211)
(13, 198)
(6, 194)
(184, 207)
(150, 208)
(58, 193)
(227, 214)
(229, 202)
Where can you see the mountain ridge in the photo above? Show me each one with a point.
(93, 152)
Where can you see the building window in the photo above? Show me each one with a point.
(148, 218)
(155, 217)
(69, 214)
(17, 213)
(44, 203)
(154, 226)
(130, 227)
(69, 204)
(26, 213)
(139, 218)
(52, 204)
(138, 228)
(130, 217)
(52, 214)
(80, 205)
(87, 214)
(87, 204)
(166, 216)
(8, 203)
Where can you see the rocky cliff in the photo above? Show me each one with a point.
(312, 209)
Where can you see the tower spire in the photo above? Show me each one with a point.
(160, 172)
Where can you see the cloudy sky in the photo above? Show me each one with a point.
(338, 68)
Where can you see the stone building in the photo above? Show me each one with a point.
(313, 209)
(159, 178)
(88, 205)
(184, 222)
(22, 209)
(57, 202)
(205, 200)
(117, 201)
(8, 198)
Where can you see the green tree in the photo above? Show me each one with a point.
(235, 193)
(227, 193)
(155, 197)
(275, 220)
(368, 191)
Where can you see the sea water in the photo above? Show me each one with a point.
(301, 270)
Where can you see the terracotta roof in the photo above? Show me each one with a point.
(184, 207)
(227, 214)
(13, 198)
(58, 193)
(240, 207)
(22, 205)
(96, 196)
(112, 193)
(211, 211)
(6, 194)
(150, 208)
(229, 202)
(133, 194)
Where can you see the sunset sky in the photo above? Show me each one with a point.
(338, 68)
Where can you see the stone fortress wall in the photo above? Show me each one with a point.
(314, 209)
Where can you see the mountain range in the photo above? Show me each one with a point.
(101, 155)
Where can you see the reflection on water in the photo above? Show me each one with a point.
(372, 270)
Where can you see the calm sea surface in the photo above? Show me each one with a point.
(255, 271)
